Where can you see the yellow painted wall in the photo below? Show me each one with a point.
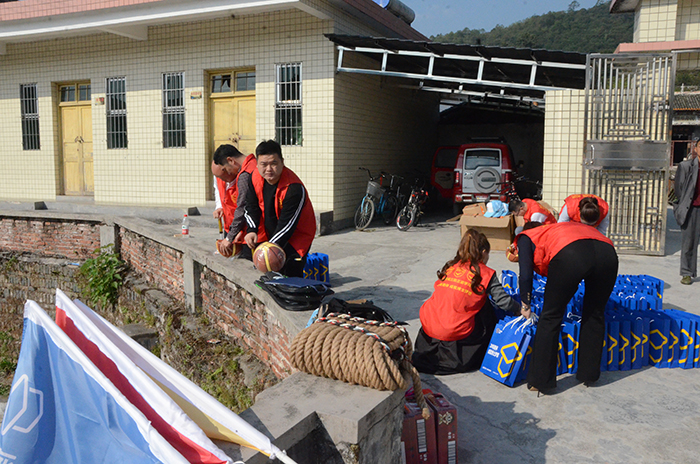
(688, 20)
(388, 128)
(655, 21)
(563, 145)
(148, 174)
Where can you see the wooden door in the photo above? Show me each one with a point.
(76, 135)
(233, 122)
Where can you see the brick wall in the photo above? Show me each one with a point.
(226, 303)
(29, 277)
(242, 316)
(50, 237)
(160, 265)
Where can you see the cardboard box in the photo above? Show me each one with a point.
(519, 221)
(418, 443)
(499, 231)
(445, 415)
(474, 209)
(549, 208)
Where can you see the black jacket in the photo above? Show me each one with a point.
(684, 185)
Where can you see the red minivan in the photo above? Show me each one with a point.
(478, 168)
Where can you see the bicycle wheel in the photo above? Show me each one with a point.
(364, 213)
(391, 207)
(406, 218)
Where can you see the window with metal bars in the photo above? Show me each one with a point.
(116, 113)
(30, 116)
(173, 110)
(288, 128)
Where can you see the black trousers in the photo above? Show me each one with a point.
(595, 263)
(433, 356)
(294, 266)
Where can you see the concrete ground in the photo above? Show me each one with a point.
(648, 415)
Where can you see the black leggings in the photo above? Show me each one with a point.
(595, 263)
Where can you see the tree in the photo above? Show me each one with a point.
(583, 30)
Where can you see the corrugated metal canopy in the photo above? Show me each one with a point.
(467, 69)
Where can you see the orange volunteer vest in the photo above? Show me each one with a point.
(574, 212)
(306, 227)
(551, 239)
(448, 314)
(534, 207)
(228, 202)
(229, 197)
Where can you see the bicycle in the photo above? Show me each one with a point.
(508, 192)
(378, 199)
(528, 188)
(411, 213)
(521, 187)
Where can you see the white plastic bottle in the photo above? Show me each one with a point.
(185, 226)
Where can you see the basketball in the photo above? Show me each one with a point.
(236, 249)
(269, 257)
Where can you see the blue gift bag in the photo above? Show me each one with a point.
(659, 334)
(323, 272)
(624, 339)
(604, 357)
(561, 358)
(687, 343)
(317, 267)
(570, 329)
(522, 374)
(612, 354)
(639, 340)
(308, 272)
(507, 349)
(624, 361)
(687, 339)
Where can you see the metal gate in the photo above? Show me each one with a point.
(627, 132)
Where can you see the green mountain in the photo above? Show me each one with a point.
(576, 30)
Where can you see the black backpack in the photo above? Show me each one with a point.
(356, 308)
(294, 293)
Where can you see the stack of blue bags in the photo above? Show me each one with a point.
(316, 267)
(638, 331)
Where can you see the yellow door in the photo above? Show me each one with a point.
(76, 133)
(245, 124)
(222, 121)
(233, 121)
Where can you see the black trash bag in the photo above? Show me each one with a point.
(294, 293)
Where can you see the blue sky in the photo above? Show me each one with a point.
(442, 16)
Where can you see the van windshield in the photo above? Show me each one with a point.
(482, 157)
(446, 157)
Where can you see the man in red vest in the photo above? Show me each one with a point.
(571, 211)
(531, 211)
(283, 213)
(233, 194)
(223, 183)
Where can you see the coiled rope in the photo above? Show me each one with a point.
(358, 351)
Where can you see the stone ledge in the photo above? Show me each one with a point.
(348, 413)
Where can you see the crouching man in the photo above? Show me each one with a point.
(283, 213)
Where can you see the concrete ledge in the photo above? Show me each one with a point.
(351, 415)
